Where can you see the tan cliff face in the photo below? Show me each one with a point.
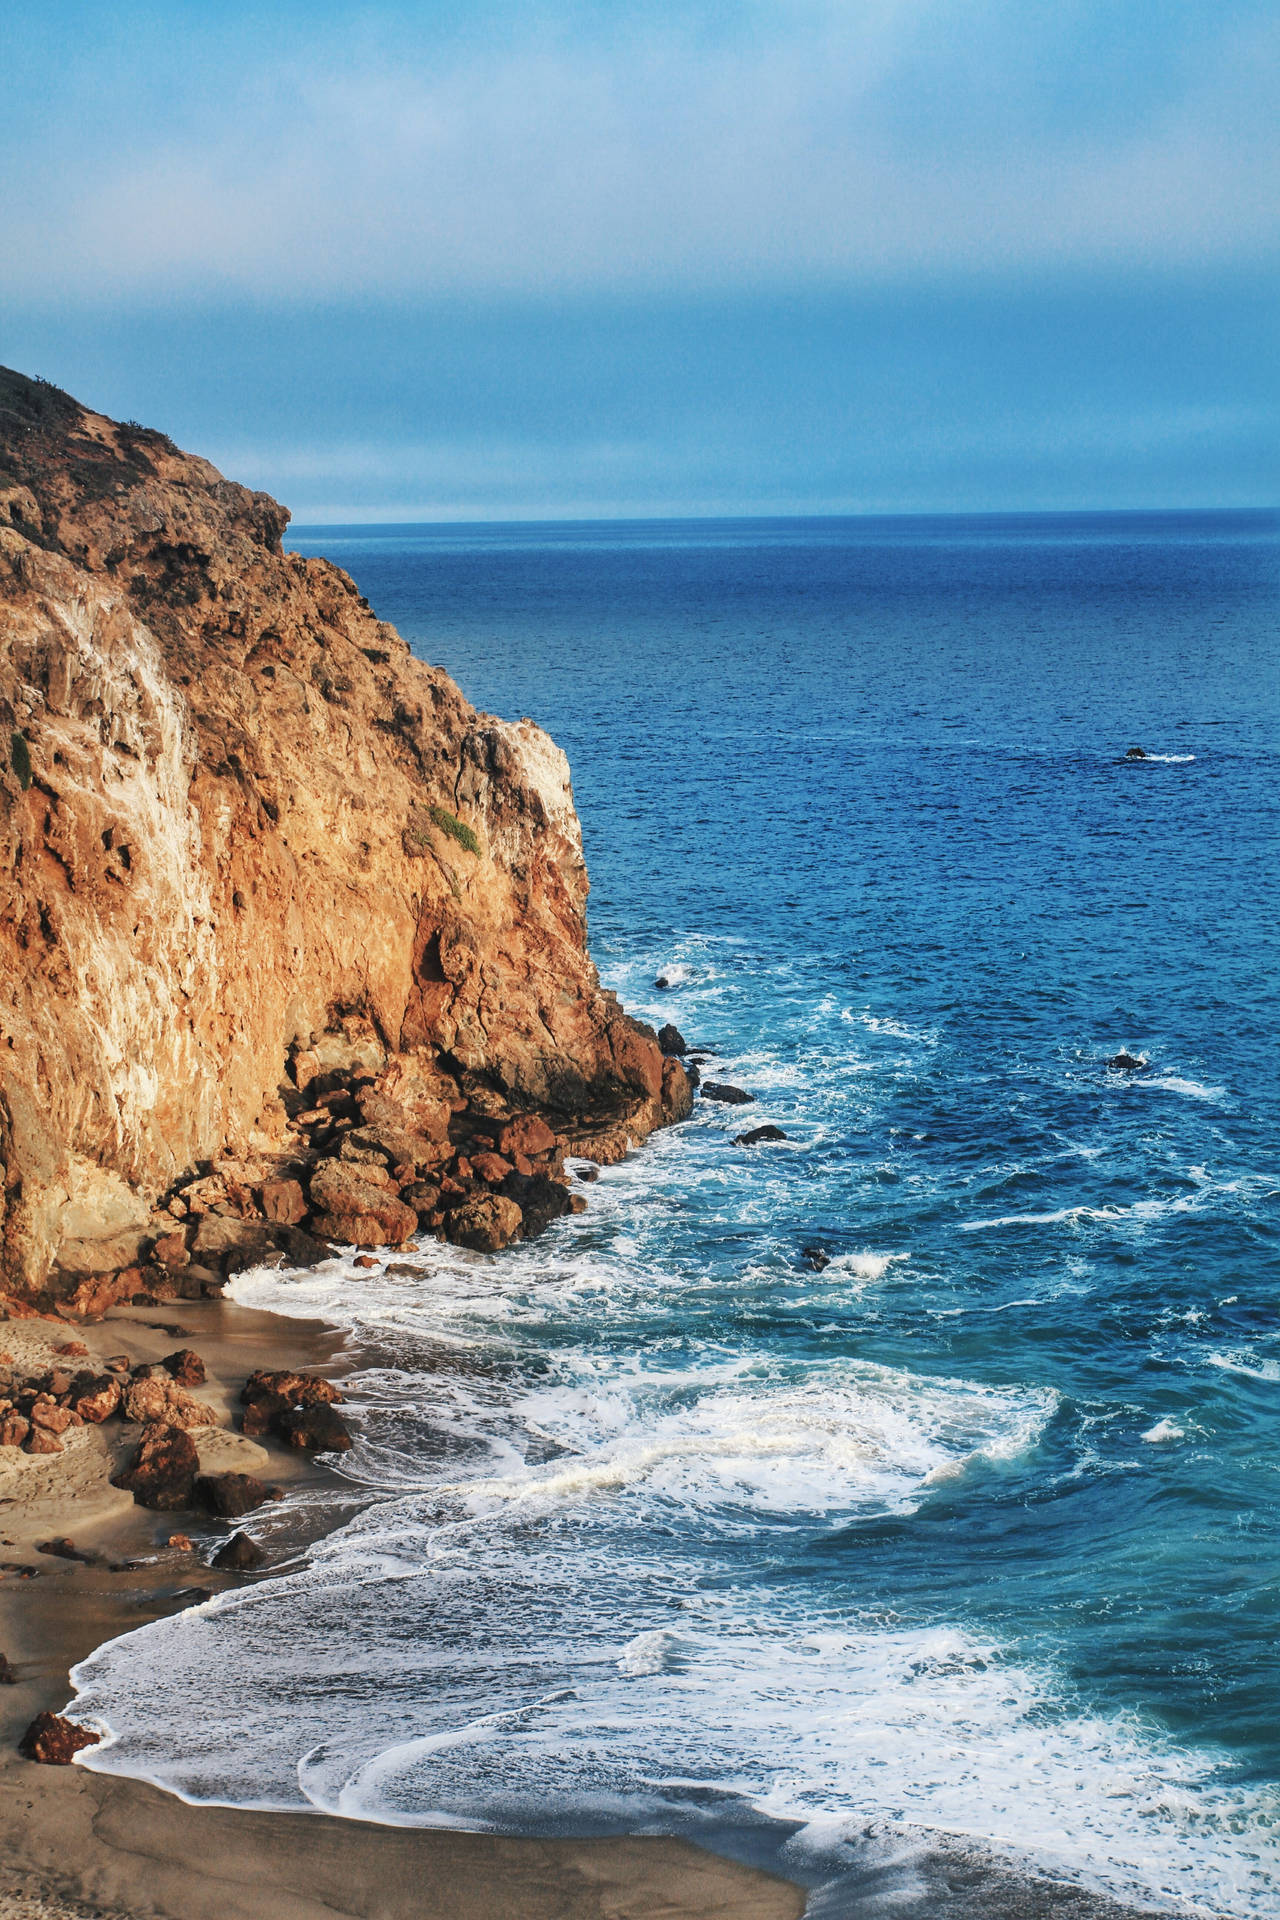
(236, 816)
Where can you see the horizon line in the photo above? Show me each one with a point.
(333, 520)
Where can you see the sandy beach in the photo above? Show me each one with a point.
(77, 1843)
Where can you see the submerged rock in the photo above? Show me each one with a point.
(757, 1135)
(239, 1555)
(1127, 1063)
(231, 1495)
(1136, 753)
(731, 1096)
(816, 1256)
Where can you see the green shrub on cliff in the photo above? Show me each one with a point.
(20, 759)
(456, 829)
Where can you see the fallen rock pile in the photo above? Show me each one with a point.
(376, 1154)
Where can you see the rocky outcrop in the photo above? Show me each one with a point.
(271, 893)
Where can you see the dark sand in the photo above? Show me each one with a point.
(75, 1844)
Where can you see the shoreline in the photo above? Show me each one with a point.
(75, 1842)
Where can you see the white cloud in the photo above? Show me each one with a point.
(817, 143)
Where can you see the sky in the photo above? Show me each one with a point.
(576, 259)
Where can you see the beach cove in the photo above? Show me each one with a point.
(866, 1482)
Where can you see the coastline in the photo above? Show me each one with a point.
(75, 1843)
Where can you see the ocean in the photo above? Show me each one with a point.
(659, 1523)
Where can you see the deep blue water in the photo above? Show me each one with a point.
(978, 1528)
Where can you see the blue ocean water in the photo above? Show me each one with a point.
(976, 1530)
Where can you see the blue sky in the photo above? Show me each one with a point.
(488, 261)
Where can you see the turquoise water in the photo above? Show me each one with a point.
(976, 1529)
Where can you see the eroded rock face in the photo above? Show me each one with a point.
(251, 848)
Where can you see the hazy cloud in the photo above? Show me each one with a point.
(639, 147)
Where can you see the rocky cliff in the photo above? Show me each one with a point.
(292, 939)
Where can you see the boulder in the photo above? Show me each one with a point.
(731, 1096)
(1127, 1063)
(318, 1429)
(162, 1473)
(296, 1389)
(677, 1091)
(231, 1495)
(239, 1555)
(267, 1397)
(46, 1414)
(95, 1397)
(358, 1206)
(237, 1243)
(528, 1133)
(540, 1200)
(283, 1202)
(816, 1257)
(393, 1146)
(170, 1251)
(1136, 753)
(486, 1223)
(662, 983)
(39, 1441)
(14, 1428)
(491, 1168)
(260, 1414)
(671, 1040)
(756, 1135)
(55, 1741)
(186, 1367)
(149, 1401)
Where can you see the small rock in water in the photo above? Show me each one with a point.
(232, 1495)
(54, 1740)
(732, 1096)
(1136, 753)
(64, 1549)
(1127, 1063)
(671, 1040)
(239, 1555)
(365, 1260)
(756, 1135)
(816, 1257)
(662, 983)
(180, 1543)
